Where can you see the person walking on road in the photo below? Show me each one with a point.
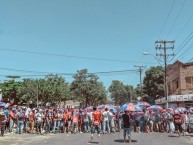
(96, 124)
(127, 119)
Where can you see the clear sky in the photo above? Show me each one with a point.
(119, 30)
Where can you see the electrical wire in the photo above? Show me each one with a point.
(186, 50)
(71, 56)
(167, 18)
(176, 18)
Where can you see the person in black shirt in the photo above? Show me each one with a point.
(126, 117)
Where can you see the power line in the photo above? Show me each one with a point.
(65, 74)
(165, 22)
(190, 60)
(71, 56)
(183, 28)
(166, 18)
(186, 50)
(183, 44)
(174, 22)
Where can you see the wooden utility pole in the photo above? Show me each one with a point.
(141, 68)
(161, 45)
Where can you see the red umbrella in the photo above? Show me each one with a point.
(130, 107)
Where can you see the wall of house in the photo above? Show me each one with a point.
(173, 75)
(186, 75)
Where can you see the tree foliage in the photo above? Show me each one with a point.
(153, 83)
(121, 93)
(52, 88)
(87, 89)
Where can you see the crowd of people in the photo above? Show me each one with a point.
(16, 119)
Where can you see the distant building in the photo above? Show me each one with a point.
(179, 85)
(71, 104)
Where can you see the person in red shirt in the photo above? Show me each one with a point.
(31, 121)
(12, 119)
(97, 116)
(69, 120)
(74, 121)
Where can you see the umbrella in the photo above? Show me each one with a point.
(2, 104)
(190, 109)
(137, 107)
(128, 107)
(7, 105)
(109, 106)
(137, 115)
(89, 108)
(143, 104)
(155, 108)
(180, 110)
(169, 110)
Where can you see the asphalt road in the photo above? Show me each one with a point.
(83, 139)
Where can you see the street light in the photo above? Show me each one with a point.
(165, 80)
(146, 53)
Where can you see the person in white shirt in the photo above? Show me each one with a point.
(39, 121)
(106, 121)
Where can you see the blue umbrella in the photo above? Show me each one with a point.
(2, 104)
(113, 108)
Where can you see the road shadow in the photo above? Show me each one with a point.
(93, 142)
(172, 136)
(122, 141)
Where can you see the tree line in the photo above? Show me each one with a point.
(85, 88)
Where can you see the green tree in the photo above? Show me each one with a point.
(153, 83)
(54, 90)
(9, 90)
(121, 93)
(28, 92)
(87, 89)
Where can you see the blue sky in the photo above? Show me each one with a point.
(103, 29)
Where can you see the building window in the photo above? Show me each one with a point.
(177, 85)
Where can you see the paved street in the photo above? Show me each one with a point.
(82, 139)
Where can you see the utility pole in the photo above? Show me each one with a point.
(141, 68)
(161, 45)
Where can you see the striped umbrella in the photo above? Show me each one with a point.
(180, 110)
(138, 108)
(128, 107)
(143, 104)
(155, 108)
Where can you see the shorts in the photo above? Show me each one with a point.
(94, 128)
(31, 125)
(178, 126)
(127, 131)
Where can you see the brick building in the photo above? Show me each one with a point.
(180, 78)
(179, 85)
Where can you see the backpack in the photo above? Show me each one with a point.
(21, 115)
